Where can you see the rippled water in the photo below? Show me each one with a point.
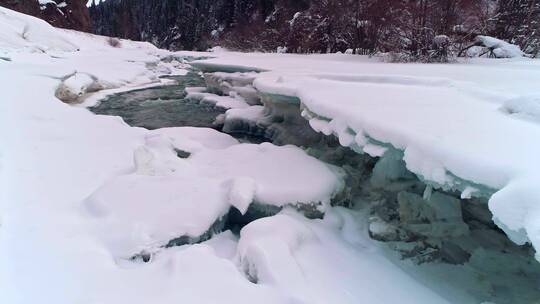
(162, 106)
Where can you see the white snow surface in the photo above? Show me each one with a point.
(501, 48)
(251, 113)
(446, 118)
(290, 252)
(226, 102)
(525, 107)
(80, 192)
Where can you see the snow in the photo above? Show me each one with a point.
(226, 102)
(501, 48)
(161, 200)
(75, 86)
(87, 192)
(22, 31)
(446, 119)
(252, 113)
(137, 213)
(196, 139)
(54, 157)
(242, 193)
(270, 167)
(82, 193)
(524, 107)
(293, 254)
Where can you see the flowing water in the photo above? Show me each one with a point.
(162, 106)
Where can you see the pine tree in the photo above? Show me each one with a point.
(518, 21)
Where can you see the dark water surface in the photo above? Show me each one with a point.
(161, 106)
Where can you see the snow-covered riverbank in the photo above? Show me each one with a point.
(81, 193)
(470, 127)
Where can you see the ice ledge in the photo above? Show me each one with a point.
(363, 127)
(207, 67)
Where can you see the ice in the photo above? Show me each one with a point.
(233, 84)
(252, 114)
(226, 102)
(164, 194)
(242, 193)
(411, 108)
(54, 158)
(439, 216)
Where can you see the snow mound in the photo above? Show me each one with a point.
(525, 107)
(226, 102)
(500, 48)
(138, 212)
(283, 175)
(76, 86)
(266, 255)
(170, 200)
(251, 114)
(237, 84)
(323, 261)
(192, 139)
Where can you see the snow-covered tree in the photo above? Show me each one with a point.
(518, 22)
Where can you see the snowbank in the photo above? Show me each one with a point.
(169, 198)
(81, 193)
(308, 259)
(444, 118)
(281, 175)
(19, 30)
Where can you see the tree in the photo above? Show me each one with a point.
(518, 21)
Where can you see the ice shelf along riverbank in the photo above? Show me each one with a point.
(436, 232)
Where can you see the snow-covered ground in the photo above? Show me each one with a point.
(82, 194)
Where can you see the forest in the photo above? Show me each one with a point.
(420, 30)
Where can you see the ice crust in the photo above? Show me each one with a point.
(444, 118)
(422, 222)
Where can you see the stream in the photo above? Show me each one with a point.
(496, 270)
(161, 106)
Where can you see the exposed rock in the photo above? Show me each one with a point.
(383, 231)
(439, 216)
(76, 85)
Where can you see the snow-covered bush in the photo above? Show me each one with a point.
(499, 48)
(281, 49)
(428, 48)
